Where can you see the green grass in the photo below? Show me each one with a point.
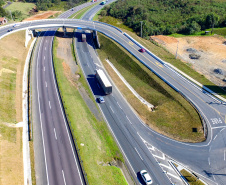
(7, 93)
(23, 7)
(192, 180)
(62, 6)
(80, 13)
(218, 31)
(115, 22)
(99, 145)
(173, 115)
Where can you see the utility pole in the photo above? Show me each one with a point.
(177, 49)
(141, 29)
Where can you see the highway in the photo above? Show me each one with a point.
(56, 160)
(207, 158)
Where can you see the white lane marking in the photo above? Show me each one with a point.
(174, 176)
(44, 69)
(165, 166)
(129, 120)
(44, 57)
(55, 133)
(214, 138)
(138, 154)
(209, 160)
(46, 84)
(65, 120)
(46, 41)
(111, 109)
(163, 156)
(45, 48)
(63, 177)
(49, 105)
(224, 155)
(43, 142)
(119, 105)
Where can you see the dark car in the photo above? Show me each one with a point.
(10, 30)
(142, 50)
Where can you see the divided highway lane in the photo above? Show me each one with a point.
(61, 163)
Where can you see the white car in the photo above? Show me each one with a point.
(146, 177)
(101, 99)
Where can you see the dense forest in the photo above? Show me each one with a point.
(169, 16)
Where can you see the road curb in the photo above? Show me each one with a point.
(26, 149)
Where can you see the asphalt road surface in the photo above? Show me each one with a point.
(207, 159)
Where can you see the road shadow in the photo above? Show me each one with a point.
(220, 90)
(139, 178)
(95, 86)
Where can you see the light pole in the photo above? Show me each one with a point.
(141, 28)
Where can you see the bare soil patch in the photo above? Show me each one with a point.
(211, 49)
(71, 71)
(42, 15)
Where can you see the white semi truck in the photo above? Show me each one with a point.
(103, 81)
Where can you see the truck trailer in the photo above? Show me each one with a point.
(103, 81)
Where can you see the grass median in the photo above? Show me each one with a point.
(173, 115)
(95, 143)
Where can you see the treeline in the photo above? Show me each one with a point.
(168, 16)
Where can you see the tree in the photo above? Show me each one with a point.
(211, 20)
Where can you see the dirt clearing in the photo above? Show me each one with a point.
(42, 15)
(210, 51)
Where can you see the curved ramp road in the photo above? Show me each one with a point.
(207, 158)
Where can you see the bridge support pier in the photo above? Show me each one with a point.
(28, 36)
(65, 31)
(95, 39)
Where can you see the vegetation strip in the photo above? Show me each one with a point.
(98, 150)
(173, 115)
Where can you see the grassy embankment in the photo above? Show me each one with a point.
(99, 146)
(173, 115)
(23, 7)
(191, 179)
(12, 58)
(168, 57)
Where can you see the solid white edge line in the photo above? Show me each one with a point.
(64, 116)
(41, 118)
(138, 154)
(63, 177)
